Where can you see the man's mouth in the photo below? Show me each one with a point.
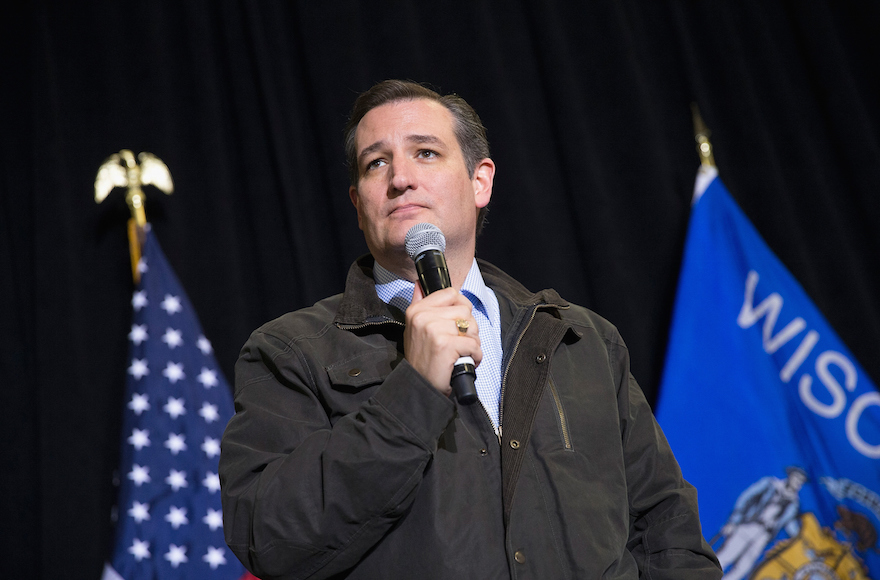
(406, 208)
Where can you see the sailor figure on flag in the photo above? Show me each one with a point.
(761, 511)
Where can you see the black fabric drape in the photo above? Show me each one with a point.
(588, 111)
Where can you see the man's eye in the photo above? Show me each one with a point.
(375, 163)
(427, 154)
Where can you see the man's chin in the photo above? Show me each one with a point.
(402, 226)
(393, 244)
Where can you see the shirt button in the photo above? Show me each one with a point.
(514, 444)
(540, 358)
(354, 372)
(520, 557)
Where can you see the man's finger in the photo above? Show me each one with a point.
(417, 293)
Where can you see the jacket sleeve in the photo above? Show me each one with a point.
(304, 497)
(666, 539)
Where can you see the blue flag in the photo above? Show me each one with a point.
(177, 404)
(768, 413)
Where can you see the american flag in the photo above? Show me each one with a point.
(177, 404)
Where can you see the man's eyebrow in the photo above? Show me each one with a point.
(424, 139)
(419, 139)
(370, 149)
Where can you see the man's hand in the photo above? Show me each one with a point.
(431, 341)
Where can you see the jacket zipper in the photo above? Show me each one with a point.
(563, 422)
(507, 369)
(535, 309)
(343, 326)
(491, 424)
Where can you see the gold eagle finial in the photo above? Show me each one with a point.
(122, 170)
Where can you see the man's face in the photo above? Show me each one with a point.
(411, 170)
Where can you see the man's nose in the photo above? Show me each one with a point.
(403, 174)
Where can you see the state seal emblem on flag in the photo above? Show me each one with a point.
(814, 554)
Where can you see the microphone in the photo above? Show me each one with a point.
(425, 244)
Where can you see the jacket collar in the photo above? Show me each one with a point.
(361, 305)
(502, 283)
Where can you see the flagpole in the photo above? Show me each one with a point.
(122, 170)
(701, 136)
(707, 171)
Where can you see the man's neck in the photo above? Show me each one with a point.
(458, 265)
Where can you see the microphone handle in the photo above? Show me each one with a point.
(463, 381)
(434, 275)
(433, 271)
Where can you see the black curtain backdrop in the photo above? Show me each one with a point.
(588, 110)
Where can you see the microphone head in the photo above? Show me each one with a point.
(422, 237)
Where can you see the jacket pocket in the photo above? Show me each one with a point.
(362, 370)
(561, 419)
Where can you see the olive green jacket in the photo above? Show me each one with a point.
(343, 462)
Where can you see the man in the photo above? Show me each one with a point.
(347, 458)
(761, 511)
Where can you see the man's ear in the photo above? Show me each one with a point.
(353, 196)
(484, 176)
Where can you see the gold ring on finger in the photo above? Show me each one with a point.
(462, 325)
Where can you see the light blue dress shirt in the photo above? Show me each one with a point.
(398, 292)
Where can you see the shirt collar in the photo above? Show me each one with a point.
(398, 292)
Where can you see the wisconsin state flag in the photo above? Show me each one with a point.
(767, 411)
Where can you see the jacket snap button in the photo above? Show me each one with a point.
(519, 557)
(540, 358)
(514, 444)
(484, 452)
(354, 372)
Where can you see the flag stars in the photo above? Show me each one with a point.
(176, 517)
(139, 438)
(174, 407)
(211, 482)
(162, 433)
(140, 549)
(171, 304)
(176, 555)
(176, 443)
(209, 412)
(208, 378)
(139, 474)
(214, 519)
(177, 480)
(139, 512)
(142, 267)
(138, 334)
(211, 447)
(139, 300)
(173, 338)
(214, 557)
(204, 345)
(139, 368)
(139, 403)
(174, 372)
